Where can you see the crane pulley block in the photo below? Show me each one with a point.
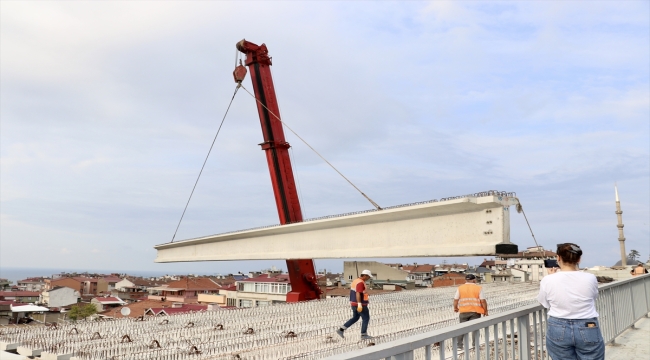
(240, 73)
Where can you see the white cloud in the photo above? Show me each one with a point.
(109, 108)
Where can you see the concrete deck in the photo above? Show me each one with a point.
(632, 343)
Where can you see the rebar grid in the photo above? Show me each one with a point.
(284, 331)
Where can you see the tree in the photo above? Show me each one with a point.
(78, 312)
(634, 255)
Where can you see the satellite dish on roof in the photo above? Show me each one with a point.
(125, 311)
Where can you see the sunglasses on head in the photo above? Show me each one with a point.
(574, 249)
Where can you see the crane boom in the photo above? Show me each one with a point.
(302, 274)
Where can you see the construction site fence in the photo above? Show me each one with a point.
(516, 334)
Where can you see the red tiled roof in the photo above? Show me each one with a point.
(232, 287)
(194, 284)
(12, 302)
(280, 278)
(224, 282)
(137, 308)
(18, 293)
(423, 268)
(62, 279)
(408, 268)
(32, 280)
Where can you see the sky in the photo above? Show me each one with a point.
(108, 109)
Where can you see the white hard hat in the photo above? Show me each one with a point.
(366, 272)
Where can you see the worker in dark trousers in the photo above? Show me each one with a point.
(469, 302)
(359, 304)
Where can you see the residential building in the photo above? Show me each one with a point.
(219, 299)
(449, 279)
(59, 297)
(483, 274)
(4, 284)
(104, 303)
(111, 281)
(20, 296)
(450, 268)
(329, 280)
(32, 284)
(125, 285)
(129, 291)
(530, 260)
(519, 275)
(63, 282)
(422, 274)
(502, 276)
(230, 292)
(262, 290)
(185, 290)
(92, 286)
(381, 273)
(5, 312)
(494, 265)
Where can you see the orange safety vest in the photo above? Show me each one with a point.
(353, 293)
(469, 299)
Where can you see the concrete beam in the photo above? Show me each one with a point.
(469, 226)
(5, 346)
(26, 351)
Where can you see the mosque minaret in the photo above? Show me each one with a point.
(621, 237)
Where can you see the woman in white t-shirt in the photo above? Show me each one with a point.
(570, 295)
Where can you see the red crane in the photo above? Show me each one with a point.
(302, 274)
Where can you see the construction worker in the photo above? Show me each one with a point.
(469, 302)
(359, 304)
(639, 270)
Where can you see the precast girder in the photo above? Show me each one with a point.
(467, 226)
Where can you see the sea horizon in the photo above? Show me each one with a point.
(13, 274)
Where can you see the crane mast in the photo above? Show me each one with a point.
(302, 274)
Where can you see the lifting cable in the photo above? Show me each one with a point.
(520, 209)
(314, 150)
(206, 160)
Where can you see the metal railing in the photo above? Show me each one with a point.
(516, 334)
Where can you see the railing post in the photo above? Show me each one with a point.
(645, 294)
(632, 300)
(523, 330)
(613, 317)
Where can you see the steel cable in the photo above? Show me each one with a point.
(206, 160)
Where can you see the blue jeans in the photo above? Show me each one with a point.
(568, 339)
(365, 319)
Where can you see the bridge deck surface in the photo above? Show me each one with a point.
(631, 344)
